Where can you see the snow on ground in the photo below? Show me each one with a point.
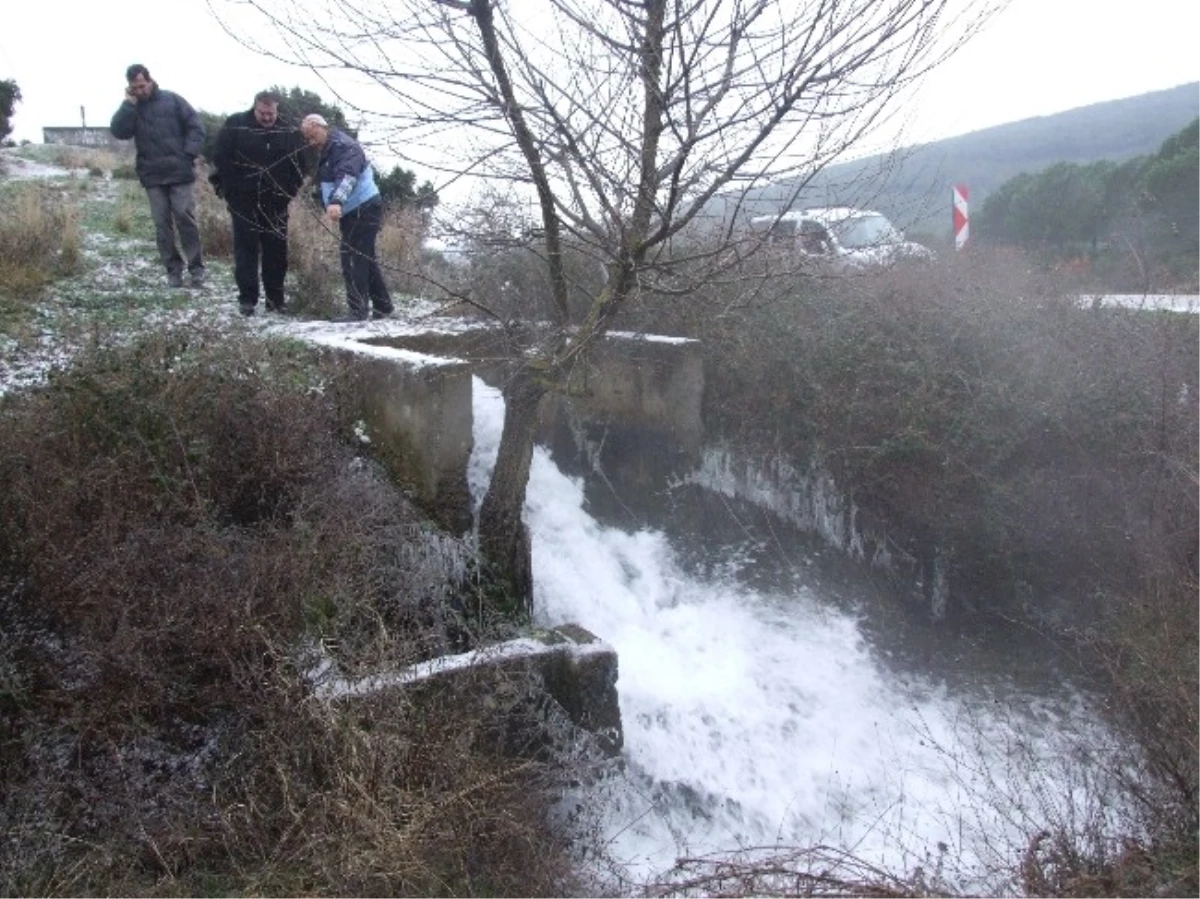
(19, 168)
(1168, 302)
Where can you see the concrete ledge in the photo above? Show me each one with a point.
(419, 420)
(572, 665)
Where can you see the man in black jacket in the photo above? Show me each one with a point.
(168, 136)
(259, 167)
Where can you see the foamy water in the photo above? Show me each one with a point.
(764, 720)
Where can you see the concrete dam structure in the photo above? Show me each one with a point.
(633, 411)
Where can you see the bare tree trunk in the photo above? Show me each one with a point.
(636, 122)
(503, 536)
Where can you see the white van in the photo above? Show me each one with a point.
(844, 238)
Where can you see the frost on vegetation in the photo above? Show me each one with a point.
(97, 241)
(22, 369)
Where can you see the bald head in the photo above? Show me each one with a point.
(315, 129)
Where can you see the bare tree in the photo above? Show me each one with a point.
(633, 123)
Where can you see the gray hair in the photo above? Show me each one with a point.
(314, 119)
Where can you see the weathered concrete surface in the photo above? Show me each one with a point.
(98, 138)
(632, 410)
(633, 417)
(419, 421)
(651, 385)
(568, 663)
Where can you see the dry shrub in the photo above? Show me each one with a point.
(1149, 649)
(39, 237)
(317, 288)
(182, 519)
(313, 265)
(124, 216)
(95, 161)
(970, 410)
(398, 249)
(212, 217)
(816, 871)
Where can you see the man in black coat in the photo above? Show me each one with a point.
(168, 136)
(259, 166)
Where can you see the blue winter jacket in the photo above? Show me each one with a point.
(344, 174)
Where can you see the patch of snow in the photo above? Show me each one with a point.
(18, 168)
(1162, 301)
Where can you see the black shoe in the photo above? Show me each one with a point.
(247, 309)
(174, 279)
(379, 313)
(197, 279)
(279, 308)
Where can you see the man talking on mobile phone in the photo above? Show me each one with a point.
(168, 136)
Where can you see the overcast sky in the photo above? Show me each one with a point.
(1035, 58)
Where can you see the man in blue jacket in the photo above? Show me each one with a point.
(259, 167)
(168, 136)
(352, 201)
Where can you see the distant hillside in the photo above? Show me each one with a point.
(912, 186)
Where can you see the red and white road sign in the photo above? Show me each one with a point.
(962, 231)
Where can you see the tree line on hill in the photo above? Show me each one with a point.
(1137, 221)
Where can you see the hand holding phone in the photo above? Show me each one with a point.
(130, 96)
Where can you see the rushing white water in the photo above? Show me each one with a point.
(766, 720)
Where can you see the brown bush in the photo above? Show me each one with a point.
(968, 406)
(399, 250)
(1148, 650)
(315, 270)
(317, 289)
(39, 237)
(94, 161)
(212, 217)
(182, 520)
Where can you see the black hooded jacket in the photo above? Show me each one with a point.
(256, 165)
(168, 136)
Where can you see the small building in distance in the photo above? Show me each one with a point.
(82, 136)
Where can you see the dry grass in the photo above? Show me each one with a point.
(96, 162)
(40, 237)
(318, 290)
(315, 271)
(212, 217)
(125, 215)
(184, 522)
(399, 249)
(816, 871)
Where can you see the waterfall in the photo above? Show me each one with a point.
(766, 719)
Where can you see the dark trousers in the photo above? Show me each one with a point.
(360, 270)
(173, 209)
(259, 235)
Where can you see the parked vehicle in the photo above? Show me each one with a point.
(844, 238)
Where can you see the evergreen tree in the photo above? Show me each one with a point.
(398, 190)
(10, 95)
